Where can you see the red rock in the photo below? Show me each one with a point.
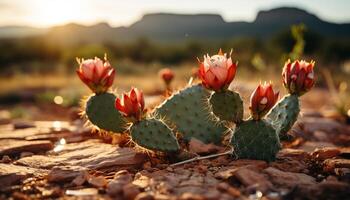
(65, 173)
(293, 153)
(325, 153)
(83, 192)
(191, 196)
(121, 178)
(12, 147)
(245, 162)
(13, 174)
(197, 146)
(130, 191)
(97, 181)
(6, 159)
(91, 154)
(288, 179)
(312, 146)
(251, 178)
(224, 187)
(114, 188)
(144, 196)
(81, 179)
(26, 154)
(311, 124)
(330, 164)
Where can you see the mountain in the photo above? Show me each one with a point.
(164, 27)
(20, 31)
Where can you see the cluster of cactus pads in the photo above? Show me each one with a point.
(205, 111)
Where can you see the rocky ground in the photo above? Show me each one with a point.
(57, 159)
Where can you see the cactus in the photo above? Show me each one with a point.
(256, 139)
(153, 134)
(284, 114)
(101, 113)
(227, 105)
(188, 111)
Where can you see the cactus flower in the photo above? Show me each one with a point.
(167, 75)
(218, 71)
(96, 74)
(298, 77)
(262, 100)
(131, 104)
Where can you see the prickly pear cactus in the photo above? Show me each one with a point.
(153, 134)
(256, 139)
(101, 112)
(284, 114)
(188, 111)
(227, 105)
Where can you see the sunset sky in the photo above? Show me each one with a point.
(45, 13)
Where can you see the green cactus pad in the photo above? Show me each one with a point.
(153, 134)
(227, 105)
(256, 140)
(188, 111)
(101, 112)
(284, 114)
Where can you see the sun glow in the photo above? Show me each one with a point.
(57, 12)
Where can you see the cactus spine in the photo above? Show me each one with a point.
(227, 105)
(256, 139)
(101, 113)
(153, 134)
(284, 114)
(188, 111)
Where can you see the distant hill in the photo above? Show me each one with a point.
(165, 27)
(20, 31)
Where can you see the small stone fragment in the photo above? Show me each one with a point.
(98, 181)
(144, 196)
(224, 187)
(130, 191)
(325, 153)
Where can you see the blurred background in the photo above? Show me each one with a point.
(40, 40)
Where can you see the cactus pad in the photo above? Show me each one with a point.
(256, 140)
(227, 105)
(153, 134)
(284, 114)
(101, 112)
(188, 111)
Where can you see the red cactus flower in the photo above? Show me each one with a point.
(218, 71)
(262, 100)
(167, 75)
(298, 77)
(96, 74)
(131, 104)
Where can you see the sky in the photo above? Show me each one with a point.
(46, 13)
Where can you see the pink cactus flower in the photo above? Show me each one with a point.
(167, 75)
(131, 104)
(262, 100)
(218, 71)
(96, 74)
(298, 77)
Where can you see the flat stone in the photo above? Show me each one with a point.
(13, 174)
(312, 146)
(97, 181)
(65, 173)
(12, 147)
(91, 154)
(293, 153)
(288, 179)
(251, 178)
(83, 192)
(330, 164)
(312, 124)
(325, 153)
